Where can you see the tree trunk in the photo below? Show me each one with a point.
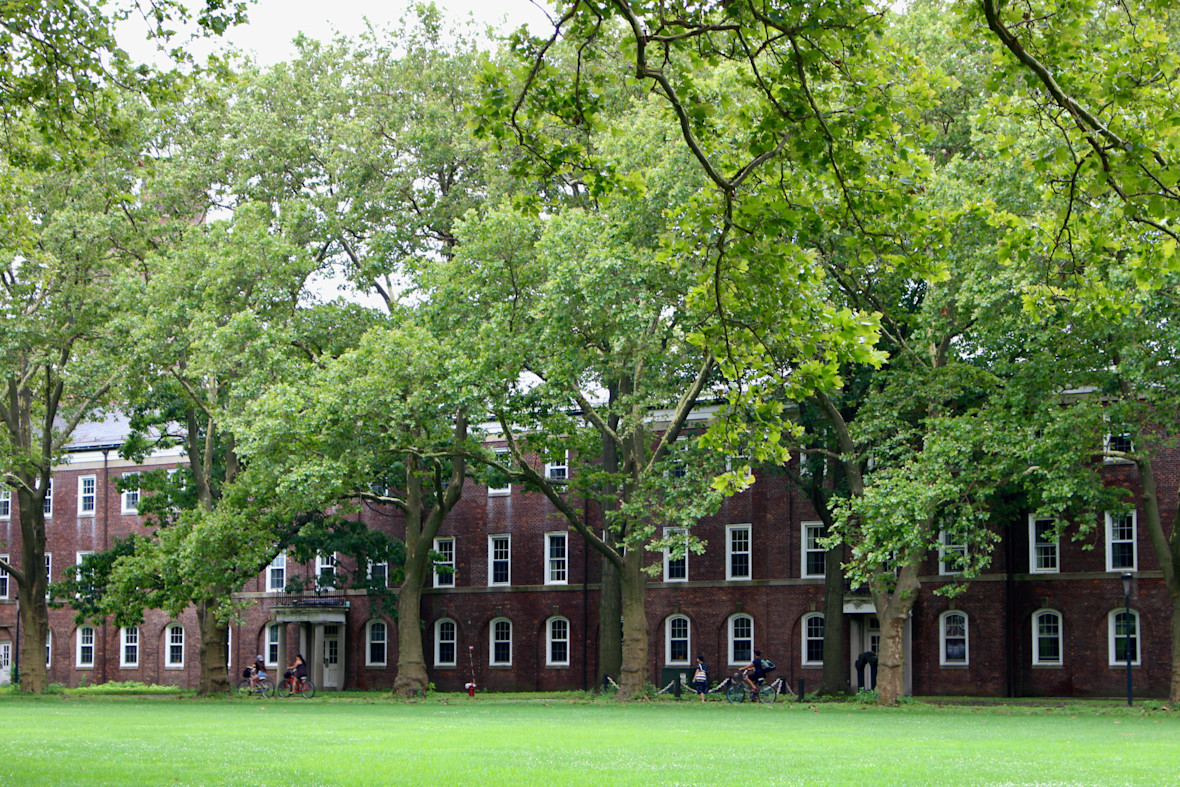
(212, 651)
(34, 612)
(610, 629)
(411, 679)
(893, 610)
(633, 672)
(1167, 552)
(835, 674)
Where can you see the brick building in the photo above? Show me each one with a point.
(520, 609)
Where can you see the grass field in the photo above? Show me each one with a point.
(499, 740)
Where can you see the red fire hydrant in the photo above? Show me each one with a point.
(470, 690)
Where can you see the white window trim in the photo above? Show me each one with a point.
(168, 662)
(1036, 639)
(805, 640)
(82, 511)
(48, 648)
(47, 505)
(729, 553)
(78, 663)
(1111, 638)
(549, 538)
(729, 653)
(669, 532)
(438, 662)
(1032, 548)
(668, 660)
(4, 574)
(125, 497)
(372, 565)
(492, 643)
(278, 633)
(445, 580)
(48, 570)
(942, 661)
(322, 562)
(5, 504)
(1134, 542)
(279, 562)
(549, 640)
(501, 491)
(558, 471)
(946, 547)
(123, 643)
(805, 527)
(1116, 460)
(369, 644)
(492, 539)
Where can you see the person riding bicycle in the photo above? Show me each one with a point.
(297, 671)
(754, 671)
(257, 673)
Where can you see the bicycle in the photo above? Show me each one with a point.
(263, 687)
(301, 687)
(737, 690)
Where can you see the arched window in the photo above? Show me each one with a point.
(85, 659)
(813, 639)
(444, 643)
(376, 638)
(1123, 633)
(1046, 634)
(175, 652)
(129, 647)
(500, 650)
(557, 642)
(273, 632)
(741, 639)
(952, 638)
(677, 641)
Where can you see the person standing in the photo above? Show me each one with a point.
(700, 679)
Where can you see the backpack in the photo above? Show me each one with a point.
(768, 666)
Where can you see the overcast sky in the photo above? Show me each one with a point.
(273, 23)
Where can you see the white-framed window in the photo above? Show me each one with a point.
(5, 503)
(814, 555)
(276, 574)
(48, 648)
(1046, 634)
(325, 571)
(129, 647)
(174, 659)
(1042, 545)
(87, 495)
(812, 629)
(445, 642)
(675, 568)
(1123, 634)
(4, 579)
(47, 505)
(1121, 443)
(376, 642)
(952, 638)
(556, 558)
(48, 567)
(273, 632)
(129, 497)
(741, 639)
(80, 556)
(557, 642)
(737, 552)
(84, 656)
(1121, 553)
(500, 652)
(559, 468)
(445, 547)
(951, 554)
(379, 573)
(499, 560)
(677, 641)
(499, 485)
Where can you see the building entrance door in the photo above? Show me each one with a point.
(331, 657)
(5, 663)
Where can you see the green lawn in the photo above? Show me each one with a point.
(495, 740)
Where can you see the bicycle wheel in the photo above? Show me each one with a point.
(735, 692)
(767, 694)
(266, 687)
(306, 690)
(244, 687)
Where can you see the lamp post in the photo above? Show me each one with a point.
(1127, 631)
